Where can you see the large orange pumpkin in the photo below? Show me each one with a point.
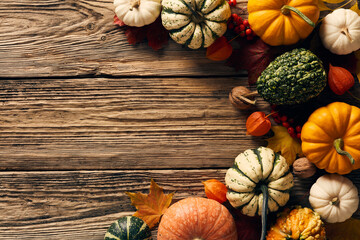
(331, 138)
(283, 22)
(197, 219)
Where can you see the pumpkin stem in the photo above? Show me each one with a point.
(196, 17)
(334, 201)
(345, 31)
(134, 4)
(286, 10)
(339, 144)
(265, 192)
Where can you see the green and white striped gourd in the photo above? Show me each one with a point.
(195, 23)
(128, 228)
(259, 181)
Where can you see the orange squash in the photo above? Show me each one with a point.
(331, 138)
(282, 22)
(299, 223)
(197, 219)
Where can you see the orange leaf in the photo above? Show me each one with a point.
(348, 230)
(150, 207)
(220, 50)
(216, 190)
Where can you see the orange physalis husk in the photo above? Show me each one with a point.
(340, 80)
(220, 50)
(215, 190)
(257, 124)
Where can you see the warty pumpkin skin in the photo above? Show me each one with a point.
(297, 224)
(197, 219)
(277, 25)
(336, 125)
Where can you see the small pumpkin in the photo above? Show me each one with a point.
(128, 228)
(259, 180)
(197, 218)
(297, 224)
(340, 31)
(137, 13)
(195, 23)
(334, 197)
(280, 22)
(331, 138)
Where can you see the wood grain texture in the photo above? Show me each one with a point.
(78, 37)
(82, 204)
(109, 123)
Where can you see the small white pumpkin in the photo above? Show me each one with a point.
(340, 31)
(334, 197)
(137, 13)
(195, 23)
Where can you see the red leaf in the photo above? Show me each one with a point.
(135, 34)
(253, 56)
(248, 228)
(157, 35)
(117, 21)
(220, 50)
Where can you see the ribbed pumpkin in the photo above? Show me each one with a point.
(282, 22)
(195, 23)
(259, 180)
(197, 219)
(331, 138)
(297, 224)
(128, 228)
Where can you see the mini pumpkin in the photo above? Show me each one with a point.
(331, 138)
(197, 218)
(297, 224)
(334, 197)
(259, 181)
(137, 13)
(128, 228)
(340, 31)
(282, 22)
(195, 23)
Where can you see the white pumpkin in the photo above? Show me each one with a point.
(195, 23)
(340, 31)
(137, 13)
(334, 197)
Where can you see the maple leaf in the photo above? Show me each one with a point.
(253, 57)
(348, 230)
(117, 21)
(282, 142)
(150, 207)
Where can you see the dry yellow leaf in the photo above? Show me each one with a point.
(282, 142)
(348, 230)
(150, 207)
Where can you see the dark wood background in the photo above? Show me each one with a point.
(84, 117)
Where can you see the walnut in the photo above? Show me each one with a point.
(303, 168)
(242, 98)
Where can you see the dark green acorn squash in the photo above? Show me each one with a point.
(293, 77)
(128, 228)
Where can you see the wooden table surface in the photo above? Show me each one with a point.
(84, 117)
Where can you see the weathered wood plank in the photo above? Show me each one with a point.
(72, 38)
(103, 123)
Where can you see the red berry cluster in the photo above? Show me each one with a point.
(240, 26)
(293, 129)
(232, 3)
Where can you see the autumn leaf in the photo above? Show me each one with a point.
(253, 57)
(348, 230)
(220, 50)
(150, 207)
(117, 21)
(282, 142)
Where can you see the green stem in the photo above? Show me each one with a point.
(286, 10)
(265, 192)
(339, 144)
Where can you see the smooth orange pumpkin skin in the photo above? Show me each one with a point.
(275, 28)
(299, 223)
(197, 218)
(336, 120)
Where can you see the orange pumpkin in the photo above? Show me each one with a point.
(331, 138)
(299, 223)
(282, 22)
(197, 218)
